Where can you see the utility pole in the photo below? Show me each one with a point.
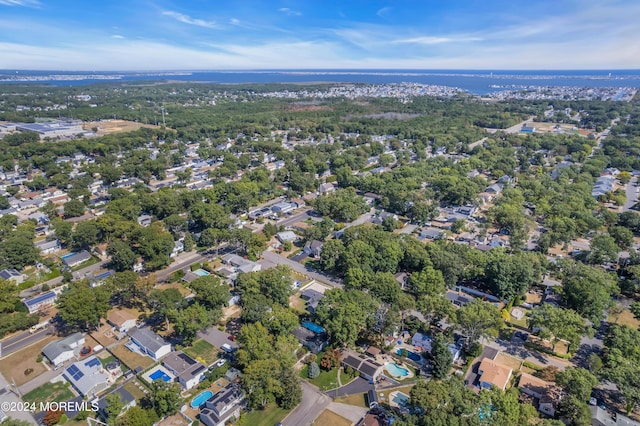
(163, 123)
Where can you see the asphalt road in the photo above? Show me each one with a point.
(19, 341)
(8, 395)
(312, 405)
(276, 259)
(518, 350)
(54, 282)
(632, 194)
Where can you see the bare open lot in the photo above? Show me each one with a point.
(116, 126)
(15, 365)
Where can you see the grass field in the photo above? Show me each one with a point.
(204, 350)
(509, 361)
(14, 366)
(325, 381)
(625, 318)
(49, 392)
(131, 359)
(134, 390)
(328, 417)
(385, 394)
(267, 417)
(357, 399)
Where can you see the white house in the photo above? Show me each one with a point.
(188, 371)
(48, 247)
(222, 406)
(286, 236)
(40, 302)
(148, 342)
(121, 320)
(64, 349)
(88, 376)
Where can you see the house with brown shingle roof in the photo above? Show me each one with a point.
(493, 373)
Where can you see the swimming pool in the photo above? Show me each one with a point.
(313, 327)
(201, 272)
(201, 398)
(159, 375)
(400, 398)
(411, 355)
(395, 370)
(66, 256)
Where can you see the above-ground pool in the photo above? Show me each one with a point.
(396, 370)
(159, 375)
(411, 355)
(313, 327)
(201, 272)
(66, 256)
(201, 398)
(400, 398)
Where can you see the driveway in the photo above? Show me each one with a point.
(359, 385)
(312, 405)
(275, 259)
(347, 411)
(7, 395)
(632, 194)
(526, 354)
(216, 337)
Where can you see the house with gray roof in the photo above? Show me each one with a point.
(127, 399)
(88, 376)
(12, 275)
(367, 368)
(187, 371)
(64, 349)
(48, 247)
(76, 259)
(148, 342)
(222, 406)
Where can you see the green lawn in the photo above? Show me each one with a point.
(267, 417)
(325, 381)
(204, 350)
(84, 264)
(49, 392)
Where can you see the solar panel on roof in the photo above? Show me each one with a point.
(75, 373)
(93, 362)
(199, 369)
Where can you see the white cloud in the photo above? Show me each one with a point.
(428, 40)
(26, 3)
(383, 11)
(186, 19)
(234, 21)
(289, 12)
(118, 36)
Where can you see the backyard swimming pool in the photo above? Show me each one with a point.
(395, 370)
(159, 375)
(313, 327)
(201, 272)
(400, 398)
(201, 398)
(66, 256)
(411, 355)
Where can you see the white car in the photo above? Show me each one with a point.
(220, 362)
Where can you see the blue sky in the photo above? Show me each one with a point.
(285, 34)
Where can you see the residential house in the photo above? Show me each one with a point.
(431, 234)
(283, 207)
(178, 247)
(545, 394)
(121, 320)
(101, 251)
(492, 373)
(76, 259)
(127, 399)
(187, 371)
(48, 247)
(40, 302)
(600, 417)
(367, 368)
(144, 220)
(422, 342)
(148, 342)
(286, 236)
(312, 297)
(12, 275)
(380, 217)
(240, 264)
(316, 342)
(313, 248)
(62, 350)
(457, 298)
(225, 404)
(494, 189)
(88, 376)
(326, 188)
